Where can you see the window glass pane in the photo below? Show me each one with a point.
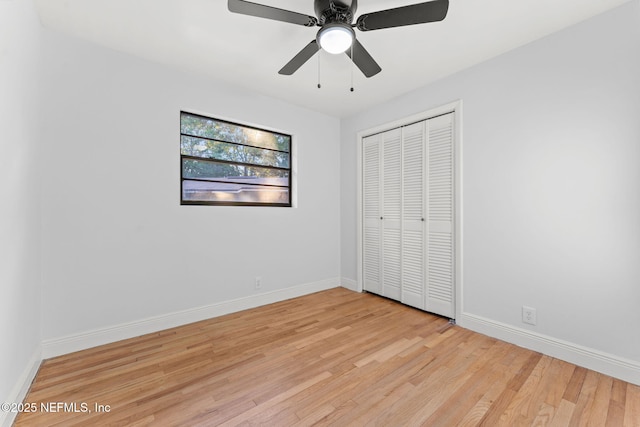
(234, 173)
(205, 148)
(228, 163)
(215, 129)
(203, 191)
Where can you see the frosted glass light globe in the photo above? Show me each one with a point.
(335, 38)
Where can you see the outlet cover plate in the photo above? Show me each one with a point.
(529, 315)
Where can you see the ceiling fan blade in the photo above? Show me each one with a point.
(262, 11)
(363, 60)
(407, 15)
(303, 56)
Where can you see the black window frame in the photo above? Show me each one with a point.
(183, 157)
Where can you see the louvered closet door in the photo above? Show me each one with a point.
(413, 242)
(391, 212)
(372, 274)
(440, 217)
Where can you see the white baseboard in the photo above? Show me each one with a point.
(92, 338)
(618, 367)
(350, 284)
(21, 388)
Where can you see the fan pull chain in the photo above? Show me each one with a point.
(352, 65)
(319, 55)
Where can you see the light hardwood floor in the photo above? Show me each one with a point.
(331, 358)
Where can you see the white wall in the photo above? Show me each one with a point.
(19, 206)
(117, 245)
(551, 163)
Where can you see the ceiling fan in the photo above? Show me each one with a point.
(336, 34)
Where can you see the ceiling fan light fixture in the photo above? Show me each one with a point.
(336, 38)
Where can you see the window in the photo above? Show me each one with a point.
(225, 163)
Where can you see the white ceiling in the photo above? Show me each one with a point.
(203, 36)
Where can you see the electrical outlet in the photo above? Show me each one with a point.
(529, 315)
(258, 282)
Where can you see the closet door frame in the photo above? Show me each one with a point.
(455, 108)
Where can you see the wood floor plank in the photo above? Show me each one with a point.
(332, 358)
(526, 364)
(527, 395)
(615, 413)
(560, 376)
(574, 387)
(563, 415)
(543, 417)
(601, 401)
(585, 400)
(632, 408)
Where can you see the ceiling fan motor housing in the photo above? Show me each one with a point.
(330, 11)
